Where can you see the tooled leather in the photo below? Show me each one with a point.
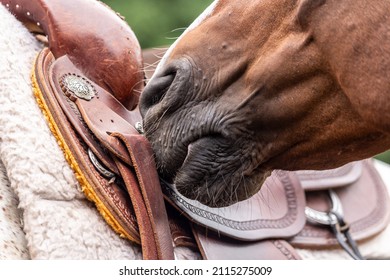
(115, 198)
(68, 34)
(366, 210)
(94, 123)
(101, 120)
(143, 161)
(318, 236)
(286, 249)
(377, 217)
(218, 247)
(277, 211)
(113, 55)
(74, 117)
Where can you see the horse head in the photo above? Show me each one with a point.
(254, 86)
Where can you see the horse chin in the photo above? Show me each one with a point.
(213, 174)
(218, 195)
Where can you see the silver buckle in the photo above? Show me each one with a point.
(99, 167)
(335, 220)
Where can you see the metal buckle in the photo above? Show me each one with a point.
(139, 127)
(335, 220)
(99, 167)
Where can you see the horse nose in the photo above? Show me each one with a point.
(167, 82)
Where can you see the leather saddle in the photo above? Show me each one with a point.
(87, 83)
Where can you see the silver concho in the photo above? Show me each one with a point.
(80, 87)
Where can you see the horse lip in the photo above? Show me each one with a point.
(186, 152)
(189, 149)
(183, 159)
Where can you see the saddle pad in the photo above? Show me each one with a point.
(276, 211)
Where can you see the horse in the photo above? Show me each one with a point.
(254, 86)
(44, 212)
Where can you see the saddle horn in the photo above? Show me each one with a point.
(105, 57)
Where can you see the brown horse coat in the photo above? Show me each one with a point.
(259, 85)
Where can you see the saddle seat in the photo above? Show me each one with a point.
(100, 132)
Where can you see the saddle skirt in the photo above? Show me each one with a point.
(100, 133)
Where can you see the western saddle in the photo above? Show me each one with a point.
(87, 81)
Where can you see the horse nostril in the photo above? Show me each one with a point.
(154, 92)
(172, 81)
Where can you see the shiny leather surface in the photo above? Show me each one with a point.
(139, 208)
(102, 49)
(94, 38)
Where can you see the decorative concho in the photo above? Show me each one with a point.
(75, 85)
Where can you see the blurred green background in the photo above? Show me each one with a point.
(159, 22)
(384, 157)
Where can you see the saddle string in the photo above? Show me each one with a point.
(341, 230)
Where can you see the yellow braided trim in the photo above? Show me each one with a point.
(85, 186)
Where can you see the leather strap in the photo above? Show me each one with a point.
(218, 247)
(110, 121)
(105, 124)
(131, 153)
(148, 202)
(109, 197)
